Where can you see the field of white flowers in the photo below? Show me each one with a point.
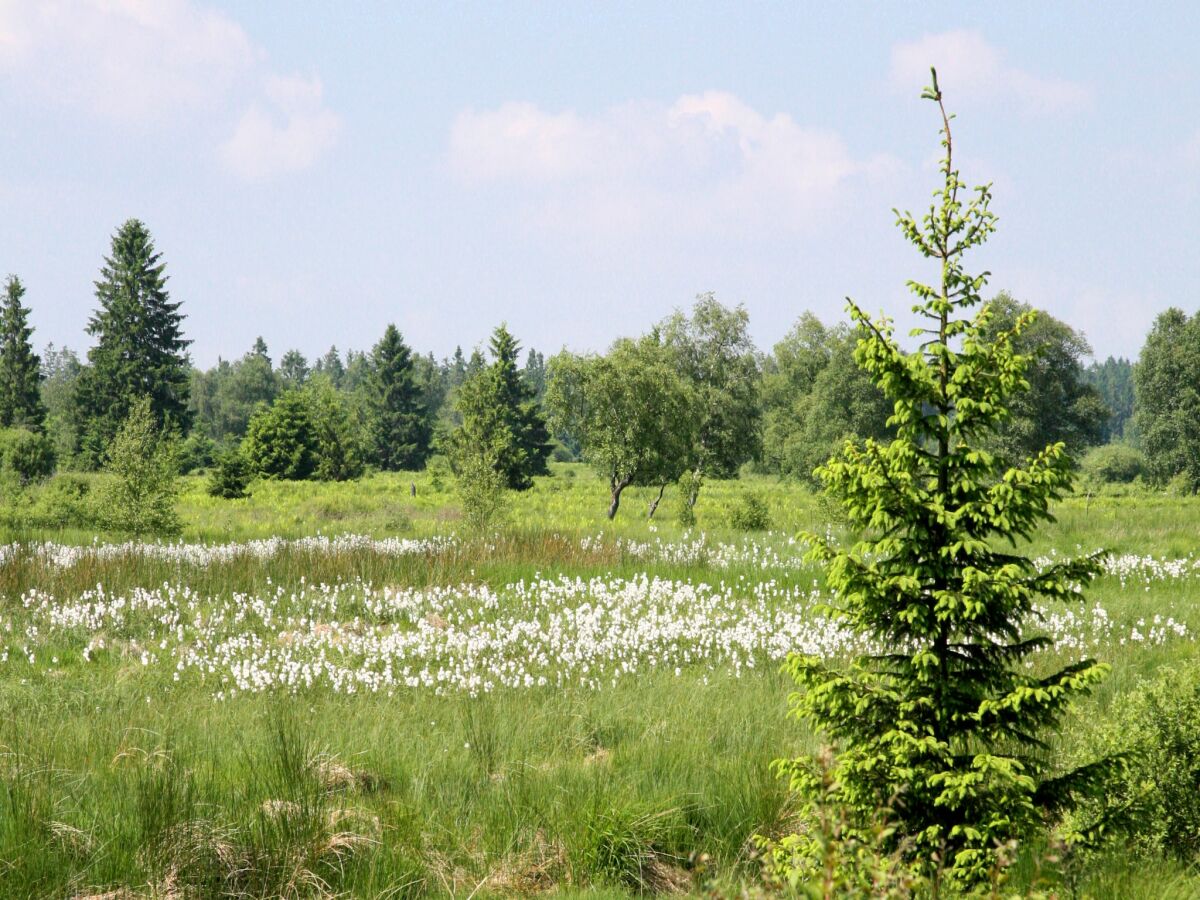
(353, 636)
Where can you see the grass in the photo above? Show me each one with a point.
(119, 781)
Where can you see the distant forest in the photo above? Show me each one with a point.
(706, 401)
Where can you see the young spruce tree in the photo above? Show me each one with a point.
(497, 407)
(399, 424)
(140, 350)
(943, 721)
(20, 369)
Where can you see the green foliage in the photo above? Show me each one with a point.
(816, 397)
(499, 414)
(1113, 379)
(140, 350)
(25, 455)
(750, 513)
(1114, 464)
(20, 369)
(231, 475)
(140, 497)
(60, 375)
(1158, 797)
(482, 490)
(943, 723)
(631, 411)
(224, 398)
(835, 856)
(65, 501)
(396, 408)
(1059, 404)
(713, 350)
(196, 452)
(339, 444)
(281, 439)
(293, 369)
(1167, 385)
(330, 365)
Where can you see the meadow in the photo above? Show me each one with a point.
(326, 690)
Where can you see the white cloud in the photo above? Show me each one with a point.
(166, 65)
(968, 66)
(288, 135)
(124, 59)
(707, 162)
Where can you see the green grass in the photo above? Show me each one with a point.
(115, 776)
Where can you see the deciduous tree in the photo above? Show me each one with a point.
(632, 412)
(1167, 381)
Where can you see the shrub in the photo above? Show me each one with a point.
(1158, 725)
(482, 490)
(280, 439)
(750, 513)
(340, 448)
(230, 476)
(687, 513)
(438, 467)
(196, 452)
(27, 455)
(1114, 464)
(64, 501)
(144, 463)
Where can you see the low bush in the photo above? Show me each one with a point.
(231, 475)
(144, 462)
(1114, 464)
(750, 513)
(196, 452)
(1157, 798)
(64, 501)
(25, 455)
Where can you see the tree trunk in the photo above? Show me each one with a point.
(654, 503)
(694, 486)
(616, 487)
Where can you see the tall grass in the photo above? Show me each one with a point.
(116, 778)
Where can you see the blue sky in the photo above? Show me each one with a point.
(313, 171)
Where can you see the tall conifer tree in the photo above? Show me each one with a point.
(140, 350)
(496, 406)
(945, 719)
(20, 368)
(399, 426)
(516, 396)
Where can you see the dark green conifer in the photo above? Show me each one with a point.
(516, 397)
(20, 368)
(945, 719)
(140, 350)
(398, 420)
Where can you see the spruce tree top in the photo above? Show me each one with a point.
(945, 723)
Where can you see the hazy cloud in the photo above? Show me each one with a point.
(150, 63)
(971, 67)
(706, 162)
(287, 135)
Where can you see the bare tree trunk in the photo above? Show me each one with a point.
(657, 500)
(615, 487)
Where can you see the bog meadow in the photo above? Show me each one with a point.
(864, 614)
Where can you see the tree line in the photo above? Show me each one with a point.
(692, 399)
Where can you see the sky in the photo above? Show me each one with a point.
(313, 171)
